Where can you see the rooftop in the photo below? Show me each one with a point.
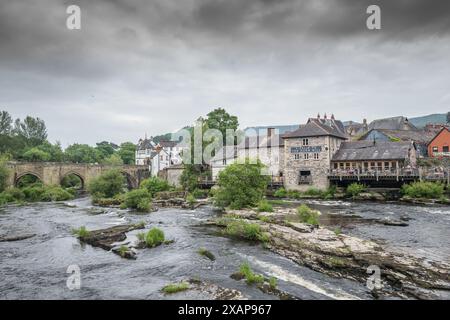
(370, 150)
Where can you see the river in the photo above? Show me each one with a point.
(35, 268)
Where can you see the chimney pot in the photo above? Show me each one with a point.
(332, 116)
(325, 116)
(318, 116)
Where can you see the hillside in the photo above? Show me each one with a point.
(420, 122)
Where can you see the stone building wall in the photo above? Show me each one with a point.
(272, 158)
(319, 168)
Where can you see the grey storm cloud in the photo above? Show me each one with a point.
(140, 66)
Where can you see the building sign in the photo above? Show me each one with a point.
(314, 149)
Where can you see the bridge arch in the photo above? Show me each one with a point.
(21, 175)
(131, 181)
(75, 173)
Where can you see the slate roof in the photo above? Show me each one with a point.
(145, 144)
(262, 130)
(394, 123)
(368, 150)
(438, 134)
(167, 144)
(419, 136)
(319, 127)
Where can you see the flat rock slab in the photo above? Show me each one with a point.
(107, 238)
(16, 238)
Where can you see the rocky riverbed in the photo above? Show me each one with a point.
(340, 255)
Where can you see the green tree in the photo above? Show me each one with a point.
(54, 150)
(241, 185)
(107, 185)
(221, 120)
(127, 152)
(106, 149)
(4, 174)
(113, 160)
(32, 130)
(36, 155)
(154, 185)
(82, 153)
(5, 123)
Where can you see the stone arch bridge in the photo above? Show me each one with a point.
(52, 173)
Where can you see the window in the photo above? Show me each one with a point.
(297, 156)
(335, 165)
(306, 156)
(304, 177)
(224, 162)
(445, 149)
(386, 166)
(316, 156)
(435, 149)
(305, 142)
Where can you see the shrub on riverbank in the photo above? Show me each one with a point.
(355, 189)
(154, 185)
(81, 232)
(107, 185)
(241, 185)
(265, 206)
(246, 230)
(422, 189)
(308, 215)
(280, 193)
(35, 193)
(139, 199)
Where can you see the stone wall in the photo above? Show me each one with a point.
(319, 167)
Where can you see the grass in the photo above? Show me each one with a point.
(273, 282)
(123, 250)
(265, 206)
(191, 200)
(81, 232)
(355, 189)
(154, 237)
(206, 253)
(280, 193)
(246, 230)
(265, 219)
(337, 231)
(277, 202)
(175, 287)
(249, 275)
(307, 215)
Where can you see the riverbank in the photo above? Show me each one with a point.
(340, 255)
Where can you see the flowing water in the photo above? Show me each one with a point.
(35, 268)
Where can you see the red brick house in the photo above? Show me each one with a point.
(439, 146)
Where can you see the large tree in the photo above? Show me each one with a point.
(106, 149)
(5, 123)
(32, 130)
(82, 153)
(221, 120)
(127, 152)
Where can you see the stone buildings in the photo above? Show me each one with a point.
(157, 155)
(308, 152)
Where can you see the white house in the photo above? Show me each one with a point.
(157, 155)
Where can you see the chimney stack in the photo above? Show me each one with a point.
(270, 132)
(325, 115)
(332, 116)
(318, 115)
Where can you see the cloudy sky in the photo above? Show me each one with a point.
(153, 66)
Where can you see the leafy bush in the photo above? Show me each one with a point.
(313, 192)
(191, 199)
(329, 193)
(154, 237)
(241, 185)
(337, 231)
(107, 185)
(34, 193)
(139, 199)
(154, 185)
(200, 194)
(249, 275)
(4, 174)
(355, 189)
(55, 194)
(421, 189)
(175, 287)
(36, 155)
(265, 206)
(14, 194)
(246, 230)
(280, 193)
(81, 232)
(123, 249)
(307, 215)
(293, 194)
